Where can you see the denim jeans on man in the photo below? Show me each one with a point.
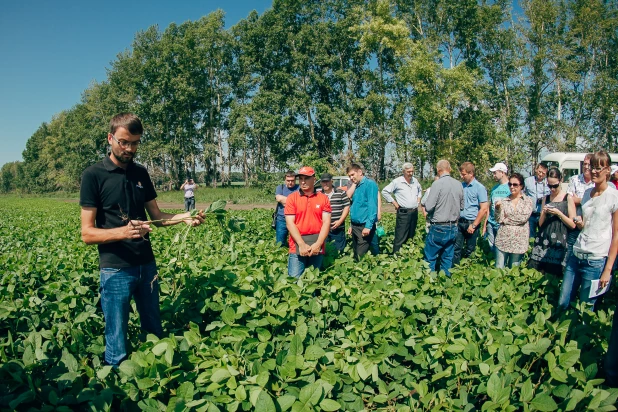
(189, 203)
(465, 243)
(441, 238)
(505, 259)
(281, 231)
(578, 275)
(118, 285)
(338, 238)
(490, 234)
(534, 223)
(297, 263)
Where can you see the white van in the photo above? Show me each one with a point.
(570, 164)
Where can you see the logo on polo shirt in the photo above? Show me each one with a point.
(139, 185)
(317, 206)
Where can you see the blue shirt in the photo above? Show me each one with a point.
(283, 190)
(536, 190)
(499, 191)
(474, 194)
(364, 209)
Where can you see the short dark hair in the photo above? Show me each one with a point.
(128, 121)
(519, 177)
(290, 173)
(555, 173)
(541, 164)
(354, 166)
(468, 167)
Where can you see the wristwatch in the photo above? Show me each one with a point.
(473, 226)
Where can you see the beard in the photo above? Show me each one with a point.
(123, 157)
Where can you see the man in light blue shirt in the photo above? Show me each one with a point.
(537, 189)
(364, 210)
(470, 218)
(499, 191)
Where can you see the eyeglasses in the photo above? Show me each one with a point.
(556, 186)
(124, 144)
(513, 184)
(598, 169)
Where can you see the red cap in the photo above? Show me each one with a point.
(306, 171)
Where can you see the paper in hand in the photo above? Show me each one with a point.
(595, 290)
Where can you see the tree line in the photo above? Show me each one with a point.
(329, 81)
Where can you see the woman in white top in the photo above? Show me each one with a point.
(595, 249)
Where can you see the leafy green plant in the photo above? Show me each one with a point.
(377, 334)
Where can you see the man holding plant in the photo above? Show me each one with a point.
(115, 195)
(307, 216)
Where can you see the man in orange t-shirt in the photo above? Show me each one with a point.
(307, 216)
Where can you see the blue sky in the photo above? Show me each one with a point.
(51, 51)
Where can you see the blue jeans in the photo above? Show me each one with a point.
(118, 285)
(281, 231)
(490, 235)
(338, 237)
(534, 224)
(505, 259)
(297, 263)
(189, 203)
(578, 275)
(441, 238)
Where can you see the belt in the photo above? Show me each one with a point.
(444, 223)
(461, 219)
(587, 256)
(407, 209)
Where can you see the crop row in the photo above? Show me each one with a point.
(379, 334)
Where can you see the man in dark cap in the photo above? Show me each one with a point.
(340, 204)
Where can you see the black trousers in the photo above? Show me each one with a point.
(405, 227)
(611, 359)
(360, 243)
(465, 243)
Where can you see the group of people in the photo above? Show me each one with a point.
(576, 230)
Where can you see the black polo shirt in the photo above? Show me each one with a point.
(119, 196)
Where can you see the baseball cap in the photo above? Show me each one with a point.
(306, 171)
(499, 166)
(326, 177)
(614, 169)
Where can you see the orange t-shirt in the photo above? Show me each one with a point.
(307, 209)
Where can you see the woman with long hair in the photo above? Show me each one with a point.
(557, 213)
(513, 213)
(595, 249)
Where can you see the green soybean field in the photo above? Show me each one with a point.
(380, 334)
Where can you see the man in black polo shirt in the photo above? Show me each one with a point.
(115, 195)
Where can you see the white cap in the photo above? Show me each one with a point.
(614, 169)
(499, 166)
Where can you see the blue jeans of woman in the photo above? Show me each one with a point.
(505, 259)
(578, 276)
(297, 263)
(118, 285)
(440, 239)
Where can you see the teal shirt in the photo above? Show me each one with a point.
(364, 209)
(499, 191)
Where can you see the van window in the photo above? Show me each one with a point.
(568, 173)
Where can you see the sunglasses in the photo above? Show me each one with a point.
(556, 186)
(513, 184)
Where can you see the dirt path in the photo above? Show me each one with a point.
(387, 208)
